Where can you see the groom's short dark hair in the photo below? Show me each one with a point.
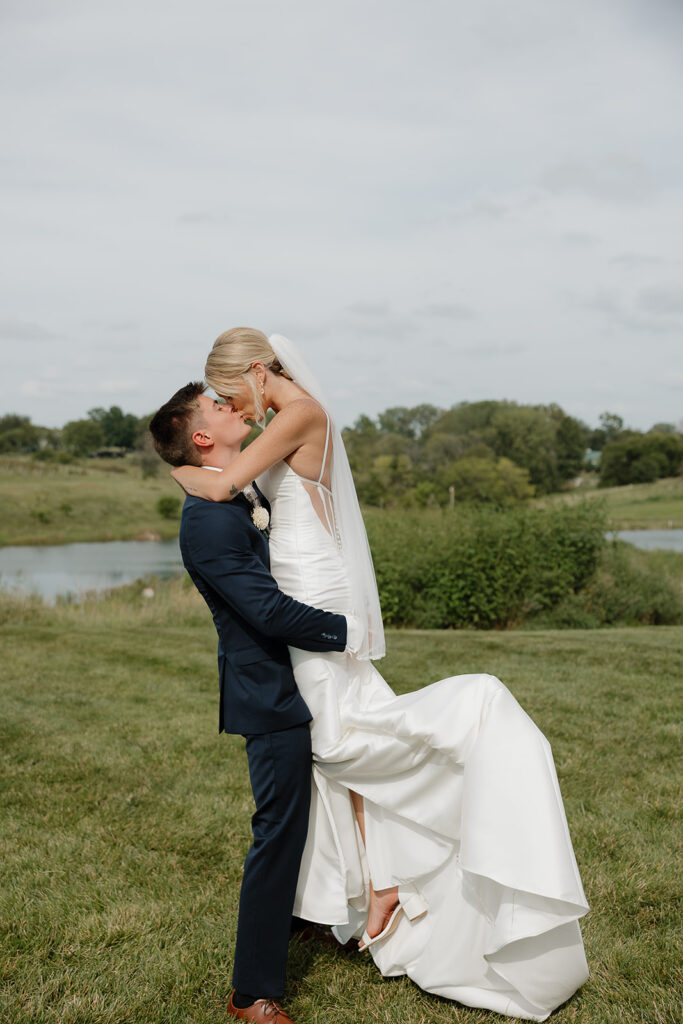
(172, 426)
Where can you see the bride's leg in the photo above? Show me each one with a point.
(359, 811)
(382, 901)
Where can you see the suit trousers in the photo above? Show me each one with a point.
(280, 773)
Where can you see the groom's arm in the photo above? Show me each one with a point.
(222, 555)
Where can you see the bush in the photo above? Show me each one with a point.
(50, 455)
(168, 507)
(149, 465)
(628, 589)
(473, 567)
(147, 457)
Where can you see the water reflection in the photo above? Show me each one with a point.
(653, 540)
(74, 569)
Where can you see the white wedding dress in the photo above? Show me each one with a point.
(462, 805)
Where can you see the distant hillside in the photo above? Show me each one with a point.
(655, 506)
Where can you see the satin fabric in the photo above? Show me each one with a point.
(462, 804)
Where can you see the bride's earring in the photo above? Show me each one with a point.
(263, 388)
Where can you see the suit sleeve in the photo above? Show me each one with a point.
(222, 554)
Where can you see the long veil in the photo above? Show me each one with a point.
(351, 536)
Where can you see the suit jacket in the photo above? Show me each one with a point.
(229, 561)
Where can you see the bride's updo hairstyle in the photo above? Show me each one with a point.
(228, 368)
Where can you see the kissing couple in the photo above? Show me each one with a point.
(429, 825)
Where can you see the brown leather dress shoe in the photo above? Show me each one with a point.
(263, 1011)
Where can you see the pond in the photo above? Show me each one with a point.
(74, 569)
(653, 540)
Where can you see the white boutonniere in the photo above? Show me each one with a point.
(259, 514)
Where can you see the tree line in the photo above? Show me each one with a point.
(495, 452)
(498, 452)
(104, 430)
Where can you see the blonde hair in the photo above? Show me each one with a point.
(228, 368)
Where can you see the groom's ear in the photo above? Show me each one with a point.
(202, 439)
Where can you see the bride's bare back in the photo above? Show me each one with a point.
(318, 486)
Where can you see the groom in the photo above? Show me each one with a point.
(228, 560)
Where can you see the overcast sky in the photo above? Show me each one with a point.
(438, 200)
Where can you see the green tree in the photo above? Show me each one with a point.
(360, 442)
(18, 434)
(663, 428)
(119, 429)
(612, 424)
(640, 458)
(611, 427)
(571, 441)
(493, 481)
(82, 437)
(542, 439)
(438, 449)
(466, 418)
(397, 420)
(383, 479)
(409, 423)
(526, 435)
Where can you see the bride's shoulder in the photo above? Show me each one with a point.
(304, 411)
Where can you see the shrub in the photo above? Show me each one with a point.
(168, 507)
(50, 455)
(628, 589)
(41, 514)
(149, 465)
(486, 568)
(147, 457)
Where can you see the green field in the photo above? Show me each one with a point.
(126, 816)
(655, 506)
(88, 500)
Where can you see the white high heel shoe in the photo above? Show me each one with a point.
(411, 902)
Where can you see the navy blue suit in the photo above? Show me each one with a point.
(228, 560)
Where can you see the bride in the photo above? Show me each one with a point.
(437, 830)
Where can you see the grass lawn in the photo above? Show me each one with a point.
(126, 817)
(655, 506)
(90, 499)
